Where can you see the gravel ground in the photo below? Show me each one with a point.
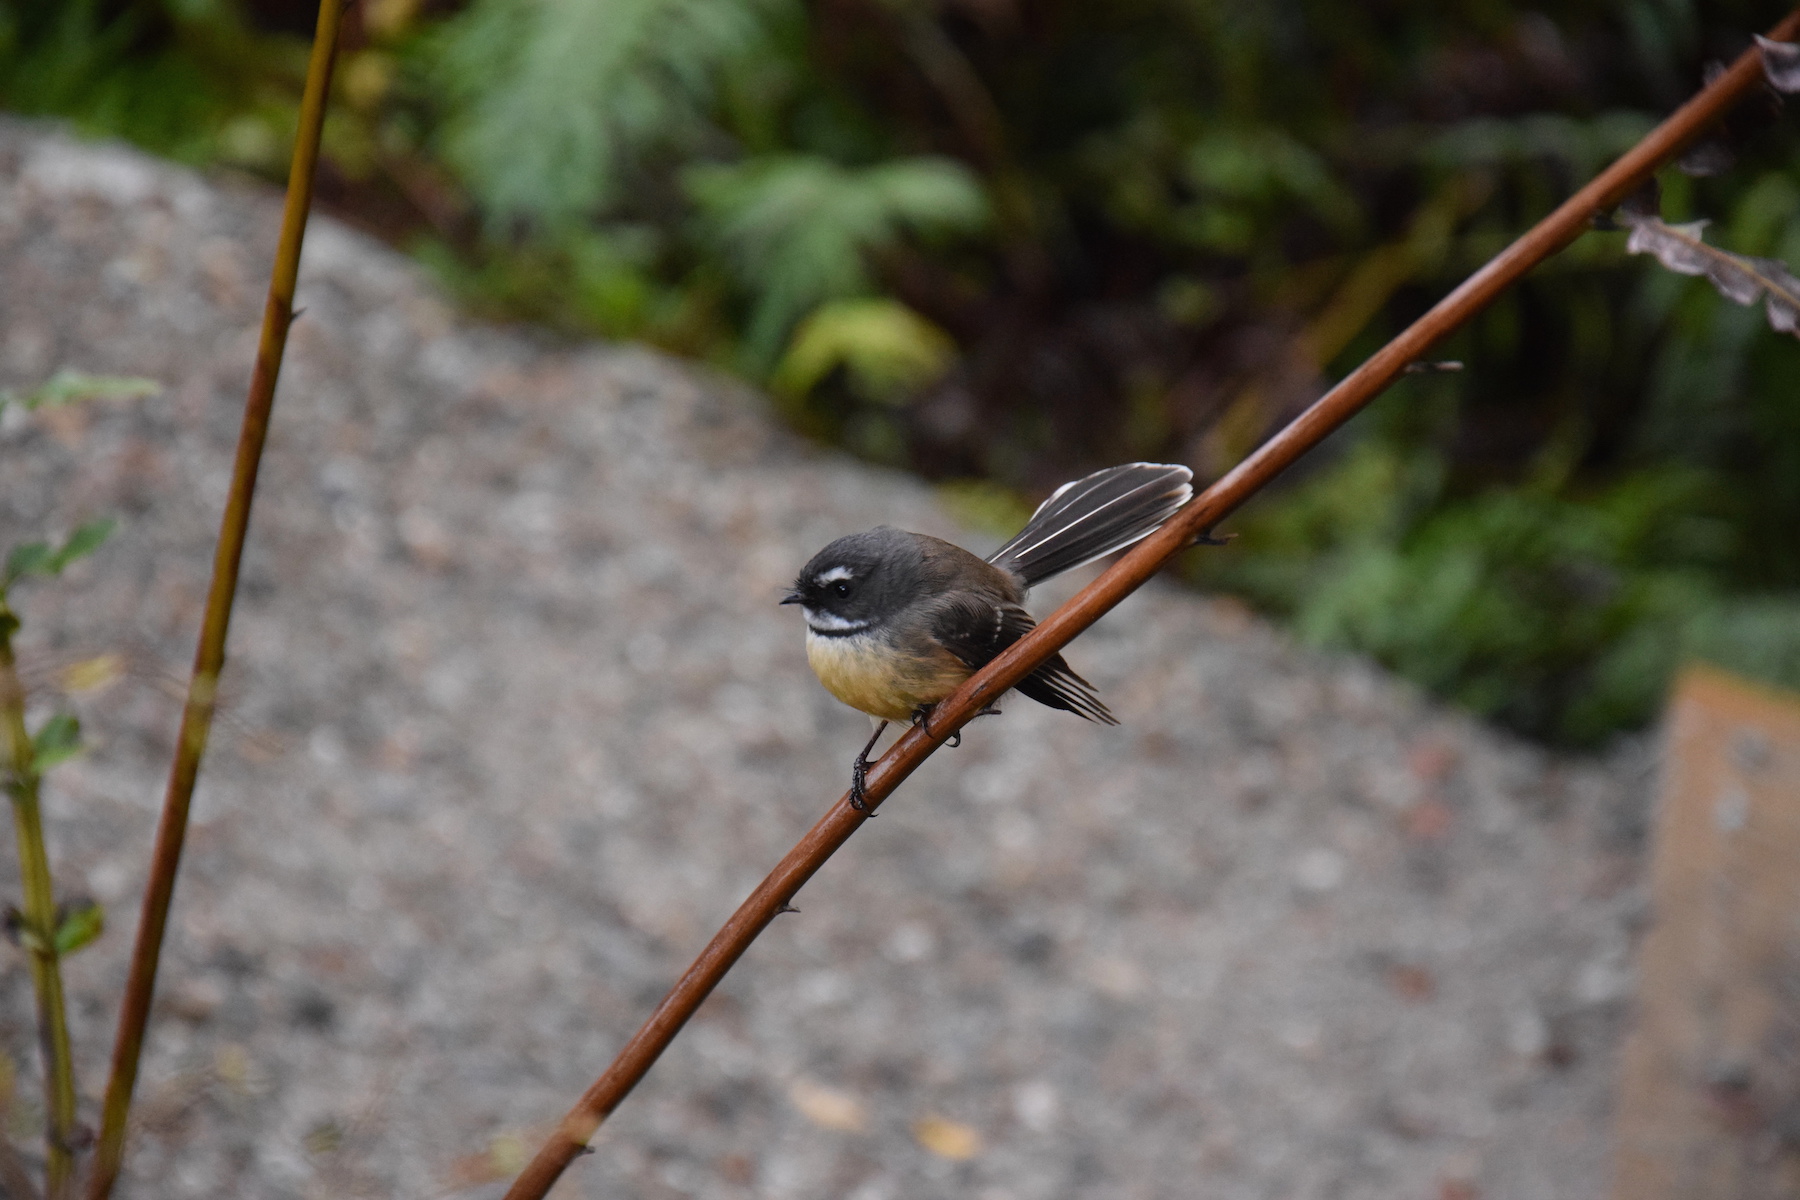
(512, 721)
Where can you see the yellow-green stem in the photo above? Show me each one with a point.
(38, 933)
(209, 655)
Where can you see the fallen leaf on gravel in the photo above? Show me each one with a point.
(92, 674)
(504, 1157)
(232, 1066)
(946, 1138)
(509, 1152)
(325, 1137)
(828, 1107)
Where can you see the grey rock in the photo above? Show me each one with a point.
(512, 721)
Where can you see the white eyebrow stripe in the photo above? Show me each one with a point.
(825, 622)
(835, 574)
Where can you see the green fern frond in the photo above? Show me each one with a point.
(548, 96)
(888, 350)
(796, 229)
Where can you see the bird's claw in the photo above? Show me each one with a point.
(921, 719)
(859, 774)
(859, 791)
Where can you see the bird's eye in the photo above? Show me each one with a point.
(841, 589)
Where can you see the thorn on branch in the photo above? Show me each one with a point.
(1426, 367)
(788, 908)
(1207, 539)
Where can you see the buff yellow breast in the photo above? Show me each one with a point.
(869, 675)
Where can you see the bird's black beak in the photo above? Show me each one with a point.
(793, 598)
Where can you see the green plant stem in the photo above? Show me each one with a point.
(38, 933)
(209, 656)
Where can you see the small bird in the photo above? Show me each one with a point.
(896, 621)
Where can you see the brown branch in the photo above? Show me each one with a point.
(1125, 576)
(209, 656)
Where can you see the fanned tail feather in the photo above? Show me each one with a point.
(1093, 516)
(1056, 685)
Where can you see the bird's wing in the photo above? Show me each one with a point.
(976, 629)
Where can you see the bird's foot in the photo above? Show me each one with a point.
(921, 719)
(859, 773)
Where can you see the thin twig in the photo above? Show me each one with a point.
(209, 657)
(37, 932)
(1124, 577)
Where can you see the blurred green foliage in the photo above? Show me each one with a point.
(1009, 240)
(795, 229)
